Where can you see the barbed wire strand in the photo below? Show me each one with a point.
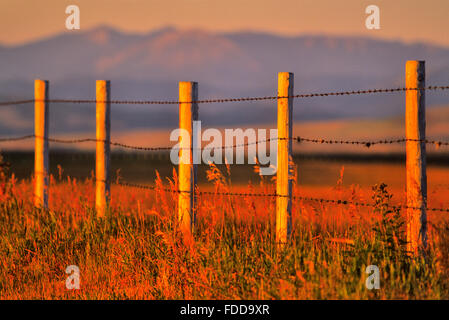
(372, 143)
(274, 195)
(29, 136)
(298, 139)
(224, 100)
(11, 103)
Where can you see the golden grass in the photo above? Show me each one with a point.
(136, 252)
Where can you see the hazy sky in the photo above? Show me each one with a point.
(409, 20)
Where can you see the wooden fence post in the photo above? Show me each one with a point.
(415, 129)
(188, 112)
(41, 110)
(284, 153)
(103, 137)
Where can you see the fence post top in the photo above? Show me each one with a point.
(285, 74)
(100, 82)
(412, 62)
(103, 85)
(38, 81)
(188, 83)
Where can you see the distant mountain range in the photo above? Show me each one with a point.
(240, 64)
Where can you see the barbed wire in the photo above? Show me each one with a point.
(274, 195)
(29, 136)
(10, 103)
(122, 145)
(83, 140)
(372, 143)
(117, 144)
(298, 139)
(225, 100)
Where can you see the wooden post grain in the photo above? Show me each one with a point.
(284, 151)
(415, 131)
(188, 112)
(103, 137)
(41, 163)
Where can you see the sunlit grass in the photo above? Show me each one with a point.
(136, 252)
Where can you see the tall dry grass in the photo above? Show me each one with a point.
(136, 252)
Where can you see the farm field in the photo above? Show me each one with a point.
(136, 252)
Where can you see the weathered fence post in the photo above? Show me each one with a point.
(41, 110)
(284, 153)
(103, 137)
(188, 112)
(415, 132)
